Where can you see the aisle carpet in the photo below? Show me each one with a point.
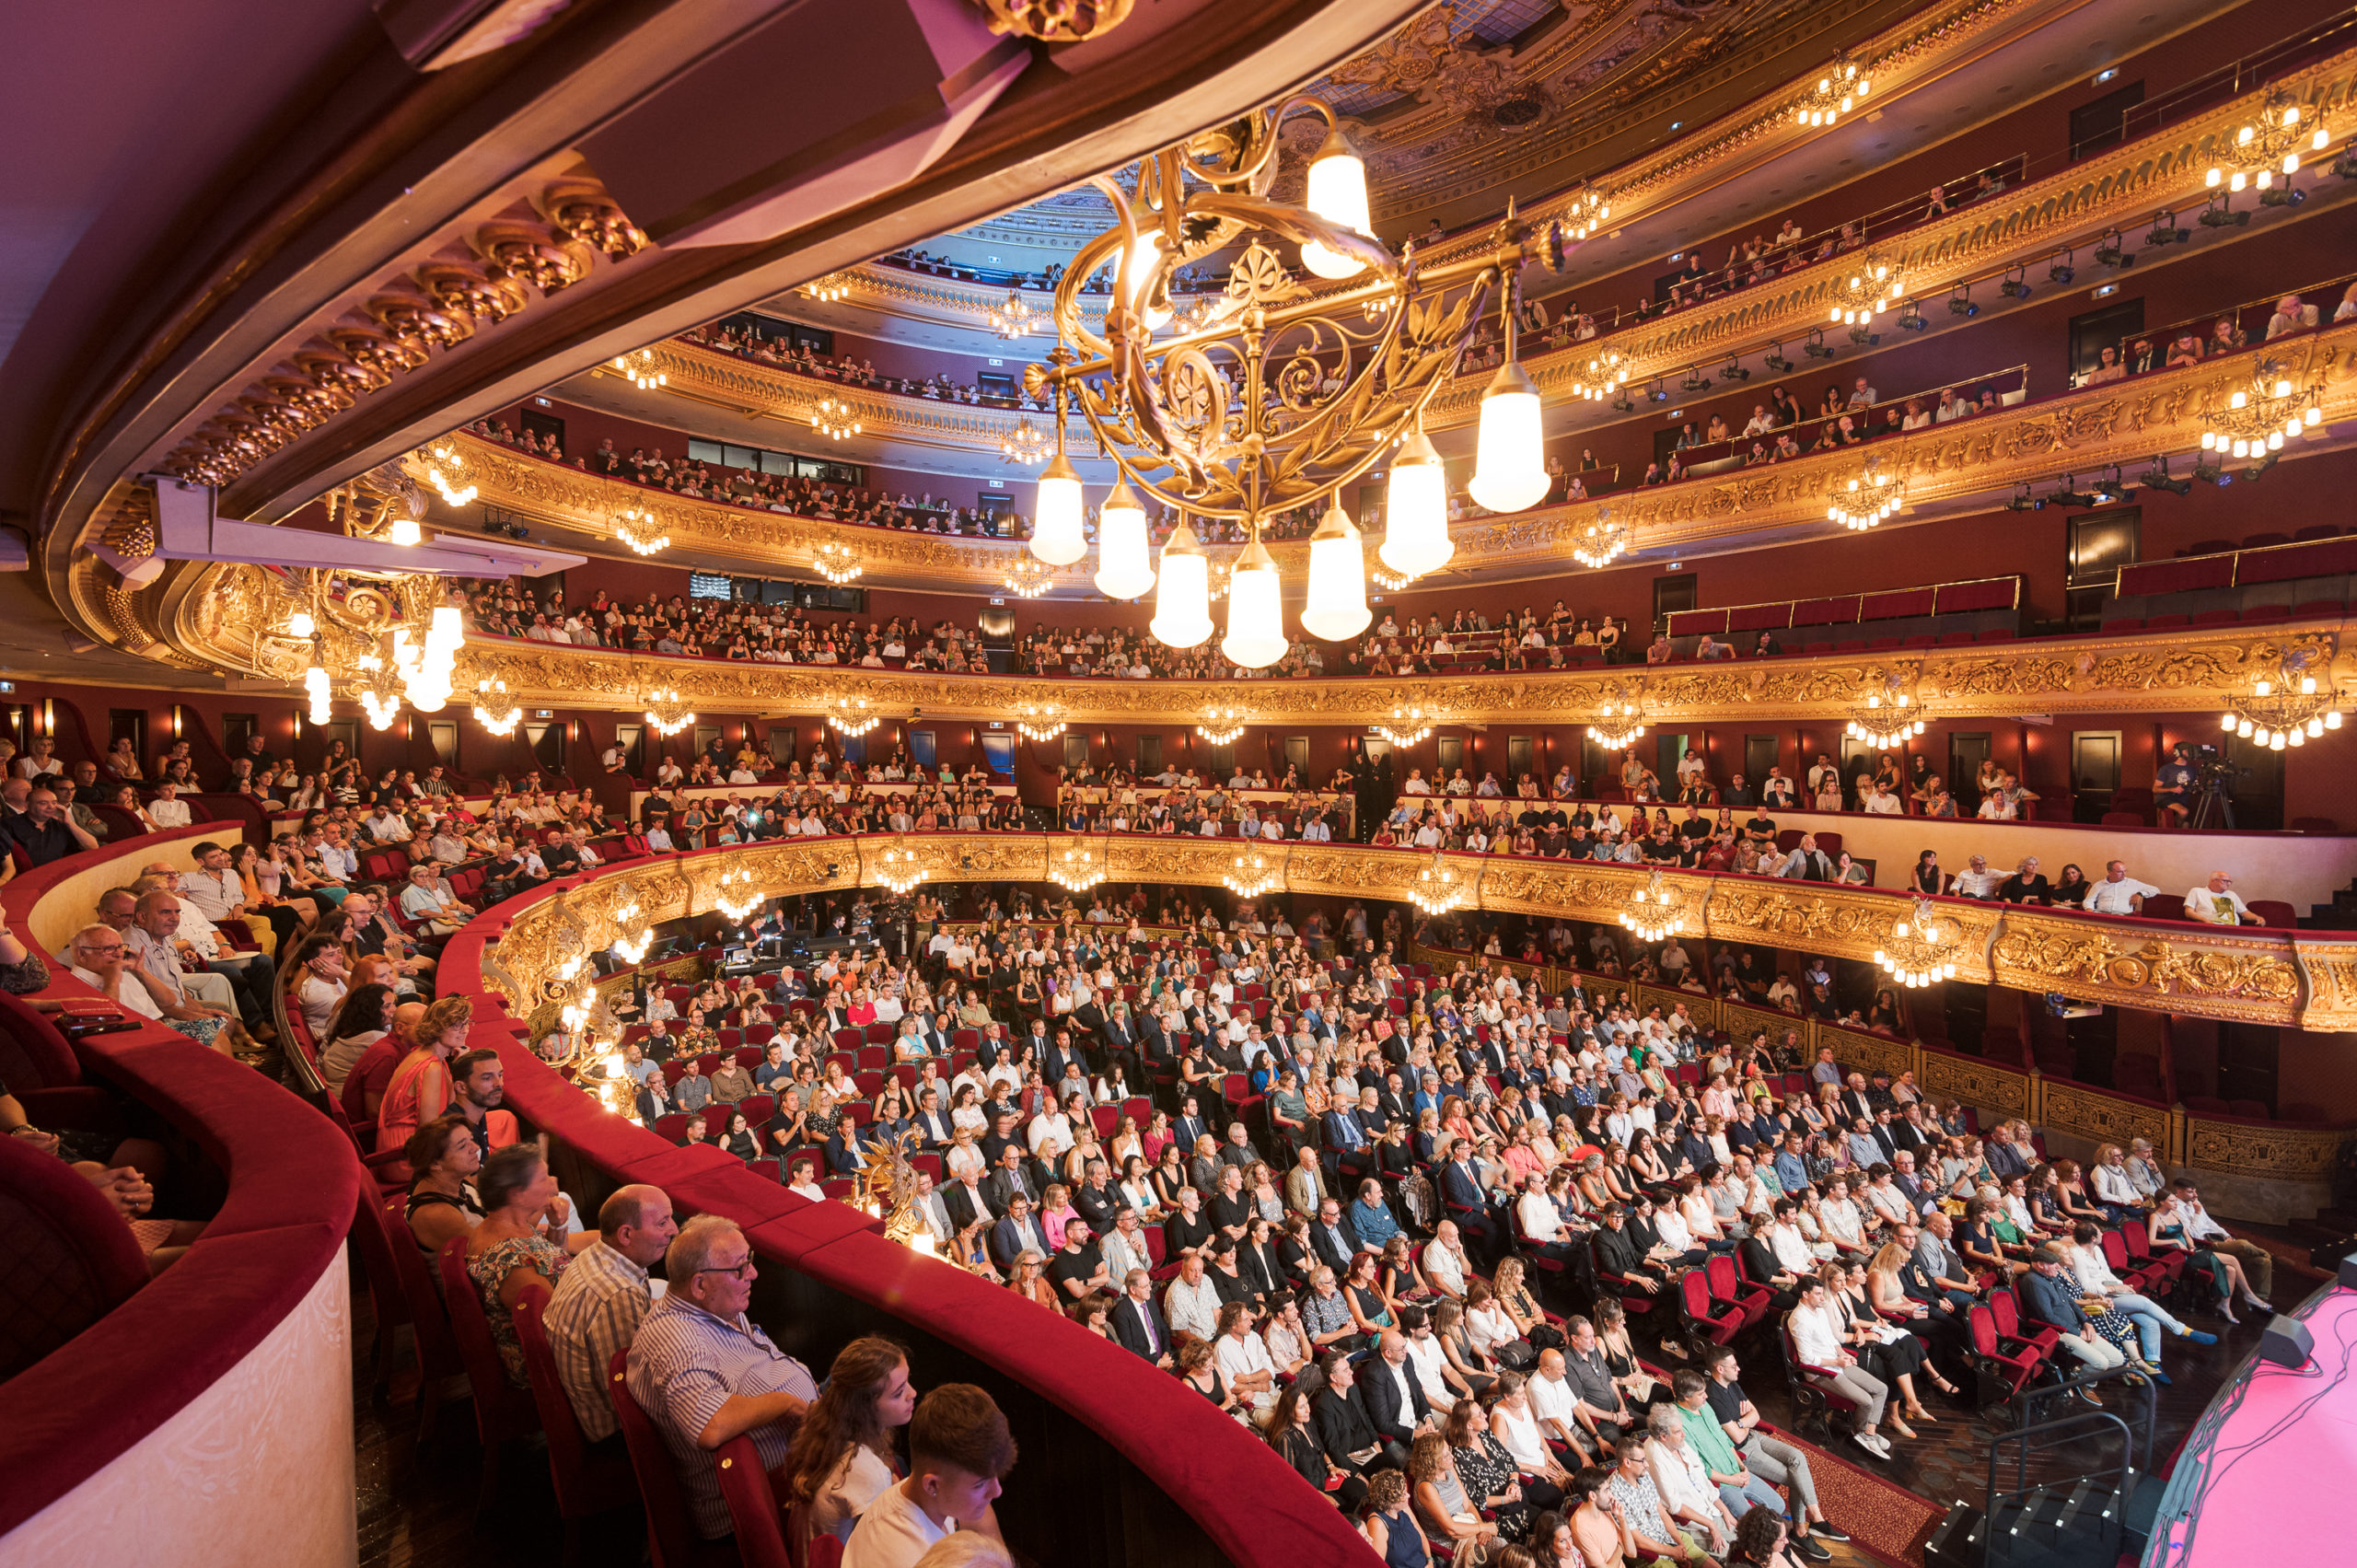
(1886, 1521)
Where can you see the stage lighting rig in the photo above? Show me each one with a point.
(2017, 284)
(2164, 231)
(2157, 478)
(1816, 347)
(1776, 360)
(2112, 251)
(2058, 268)
(1960, 300)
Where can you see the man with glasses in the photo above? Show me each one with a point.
(704, 1374)
(2215, 902)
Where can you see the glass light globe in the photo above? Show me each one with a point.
(1336, 191)
(1509, 466)
(1256, 625)
(1056, 535)
(1182, 614)
(1416, 511)
(1337, 603)
(1124, 560)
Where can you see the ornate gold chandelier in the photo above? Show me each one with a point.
(831, 417)
(1250, 877)
(668, 713)
(850, 715)
(2270, 145)
(1835, 94)
(1040, 721)
(897, 869)
(1407, 728)
(640, 369)
(489, 712)
(1026, 577)
(735, 896)
(1873, 494)
(1012, 317)
(829, 289)
(631, 949)
(1619, 726)
(1656, 910)
(1600, 377)
(1917, 955)
(445, 470)
(2288, 712)
(1601, 542)
(1436, 889)
(1220, 725)
(1885, 723)
(1586, 213)
(1024, 443)
(2259, 418)
(627, 524)
(1077, 869)
(378, 690)
(1864, 294)
(837, 562)
(1278, 399)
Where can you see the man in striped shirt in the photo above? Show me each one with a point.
(601, 1298)
(704, 1374)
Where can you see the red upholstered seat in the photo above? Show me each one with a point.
(2165, 906)
(2216, 617)
(2006, 1317)
(66, 1259)
(2125, 623)
(2115, 1255)
(587, 1484)
(2274, 913)
(438, 1352)
(671, 1538)
(2258, 613)
(502, 1409)
(1727, 1285)
(2014, 1365)
(752, 1506)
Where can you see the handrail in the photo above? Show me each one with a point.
(1861, 595)
(2162, 336)
(2236, 76)
(2052, 1434)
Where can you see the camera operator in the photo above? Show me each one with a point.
(2173, 786)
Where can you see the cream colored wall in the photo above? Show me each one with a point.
(69, 906)
(257, 1468)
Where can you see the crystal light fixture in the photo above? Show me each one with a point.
(827, 290)
(1250, 877)
(1023, 445)
(1872, 494)
(628, 524)
(667, 713)
(1408, 727)
(850, 715)
(1077, 869)
(631, 948)
(378, 690)
(1655, 910)
(1917, 955)
(837, 562)
(897, 867)
(1013, 318)
(1587, 211)
(1026, 578)
(1619, 726)
(1601, 542)
(735, 896)
(640, 368)
(2291, 710)
(1040, 721)
(1885, 723)
(1435, 890)
(831, 417)
(493, 711)
(1863, 294)
(2270, 146)
(1221, 726)
(1835, 94)
(444, 466)
(2259, 418)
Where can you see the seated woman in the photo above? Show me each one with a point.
(442, 1199)
(843, 1456)
(510, 1248)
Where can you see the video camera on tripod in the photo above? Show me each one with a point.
(2211, 795)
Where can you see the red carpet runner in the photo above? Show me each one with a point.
(1885, 1520)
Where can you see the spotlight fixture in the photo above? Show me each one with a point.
(851, 715)
(667, 713)
(2017, 284)
(2220, 214)
(1695, 381)
(2157, 478)
(2210, 472)
(640, 368)
(2345, 165)
(2058, 268)
(837, 562)
(493, 711)
(2070, 495)
(1864, 336)
(1221, 726)
(2111, 489)
(1733, 371)
(635, 525)
(1026, 577)
(831, 417)
(1659, 393)
(2283, 195)
(1816, 347)
(2164, 230)
(1040, 721)
(1960, 300)
(2026, 501)
(1910, 319)
(1776, 360)
(1624, 403)
(1408, 727)
(2111, 250)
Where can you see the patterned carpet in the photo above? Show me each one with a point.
(1887, 1523)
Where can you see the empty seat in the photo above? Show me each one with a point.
(2317, 530)
(1816, 648)
(1849, 645)
(1995, 635)
(1924, 640)
(2261, 540)
(2122, 820)
(1956, 639)
(2313, 609)
(2216, 617)
(2160, 622)
(2125, 623)
(2261, 612)
(1881, 642)
(2275, 912)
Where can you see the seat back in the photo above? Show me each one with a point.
(752, 1506)
(1983, 1324)
(2138, 1244)
(568, 1446)
(502, 1409)
(670, 1537)
(34, 1053)
(438, 1352)
(2005, 1315)
(67, 1259)
(2115, 1251)
(1694, 1290)
(1720, 1275)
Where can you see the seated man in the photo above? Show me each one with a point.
(2216, 903)
(704, 1374)
(959, 1450)
(601, 1298)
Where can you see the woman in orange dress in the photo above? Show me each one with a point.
(420, 1088)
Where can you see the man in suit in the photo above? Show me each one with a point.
(1238, 1150)
(1016, 1234)
(1137, 1322)
(1332, 1238)
(932, 1207)
(1347, 1153)
(1015, 1177)
(845, 1156)
(965, 1201)
(1343, 1430)
(1392, 1395)
(1121, 1038)
(1305, 1183)
(1855, 1101)
(933, 1131)
(1461, 1190)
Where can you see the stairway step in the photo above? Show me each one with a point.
(1959, 1540)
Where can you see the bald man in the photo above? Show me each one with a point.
(600, 1299)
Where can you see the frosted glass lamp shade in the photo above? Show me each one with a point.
(1056, 535)
(1124, 562)
(1416, 511)
(1509, 465)
(1182, 600)
(1336, 191)
(1256, 620)
(1337, 603)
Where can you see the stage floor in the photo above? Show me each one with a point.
(2277, 1472)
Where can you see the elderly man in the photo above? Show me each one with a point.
(1976, 881)
(601, 1298)
(1807, 862)
(2119, 893)
(43, 829)
(1190, 1306)
(704, 1374)
(2215, 902)
(149, 943)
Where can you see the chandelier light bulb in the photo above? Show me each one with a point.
(1256, 625)
(404, 531)
(1336, 607)
(1509, 464)
(1336, 191)
(1415, 540)
(1057, 537)
(1140, 261)
(1182, 612)
(322, 695)
(1124, 557)
(301, 625)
